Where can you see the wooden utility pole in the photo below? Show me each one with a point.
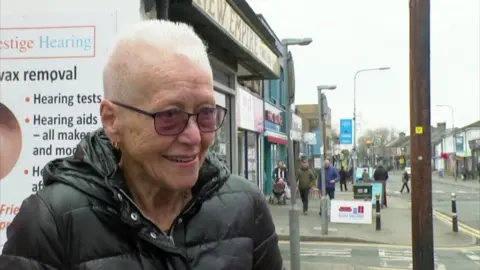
(422, 223)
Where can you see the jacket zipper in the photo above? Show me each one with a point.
(169, 237)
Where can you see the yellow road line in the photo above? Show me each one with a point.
(465, 229)
(355, 244)
(386, 268)
(461, 226)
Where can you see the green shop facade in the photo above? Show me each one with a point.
(275, 142)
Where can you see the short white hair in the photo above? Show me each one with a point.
(144, 44)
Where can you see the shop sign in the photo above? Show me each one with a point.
(310, 138)
(296, 132)
(225, 16)
(273, 118)
(249, 111)
(352, 212)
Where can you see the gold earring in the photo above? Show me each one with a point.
(115, 145)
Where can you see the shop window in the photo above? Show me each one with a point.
(221, 77)
(222, 143)
(252, 157)
(241, 153)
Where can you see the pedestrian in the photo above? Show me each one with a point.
(405, 179)
(365, 176)
(305, 181)
(331, 177)
(463, 173)
(343, 179)
(280, 172)
(144, 192)
(478, 170)
(351, 175)
(381, 175)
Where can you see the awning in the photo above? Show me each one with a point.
(274, 137)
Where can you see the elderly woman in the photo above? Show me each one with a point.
(144, 192)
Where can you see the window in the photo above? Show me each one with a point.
(252, 157)
(281, 89)
(266, 90)
(222, 143)
(273, 88)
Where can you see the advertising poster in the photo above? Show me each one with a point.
(377, 188)
(346, 131)
(50, 89)
(352, 212)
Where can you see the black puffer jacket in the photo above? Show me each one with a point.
(84, 219)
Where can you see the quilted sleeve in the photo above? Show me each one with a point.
(267, 254)
(33, 241)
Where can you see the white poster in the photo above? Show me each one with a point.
(50, 90)
(354, 212)
(245, 112)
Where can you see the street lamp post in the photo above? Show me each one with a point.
(324, 202)
(354, 154)
(454, 146)
(294, 211)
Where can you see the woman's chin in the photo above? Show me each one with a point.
(181, 183)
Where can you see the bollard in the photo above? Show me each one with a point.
(378, 221)
(454, 213)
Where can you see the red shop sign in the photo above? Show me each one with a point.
(274, 117)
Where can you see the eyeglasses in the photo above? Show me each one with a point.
(172, 122)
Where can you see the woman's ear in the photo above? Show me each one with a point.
(109, 118)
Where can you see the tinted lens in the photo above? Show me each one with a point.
(170, 122)
(210, 119)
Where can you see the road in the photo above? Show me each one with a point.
(468, 198)
(317, 255)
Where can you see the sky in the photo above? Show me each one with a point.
(349, 35)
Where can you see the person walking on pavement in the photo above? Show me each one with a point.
(331, 177)
(280, 172)
(381, 174)
(478, 170)
(405, 179)
(305, 181)
(351, 177)
(343, 179)
(463, 173)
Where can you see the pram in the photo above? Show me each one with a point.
(278, 193)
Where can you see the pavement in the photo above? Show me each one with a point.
(348, 256)
(396, 225)
(467, 198)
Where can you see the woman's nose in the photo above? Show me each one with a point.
(191, 134)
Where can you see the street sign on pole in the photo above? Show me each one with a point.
(346, 131)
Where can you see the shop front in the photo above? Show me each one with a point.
(474, 146)
(249, 134)
(275, 142)
(223, 138)
(296, 135)
(239, 48)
